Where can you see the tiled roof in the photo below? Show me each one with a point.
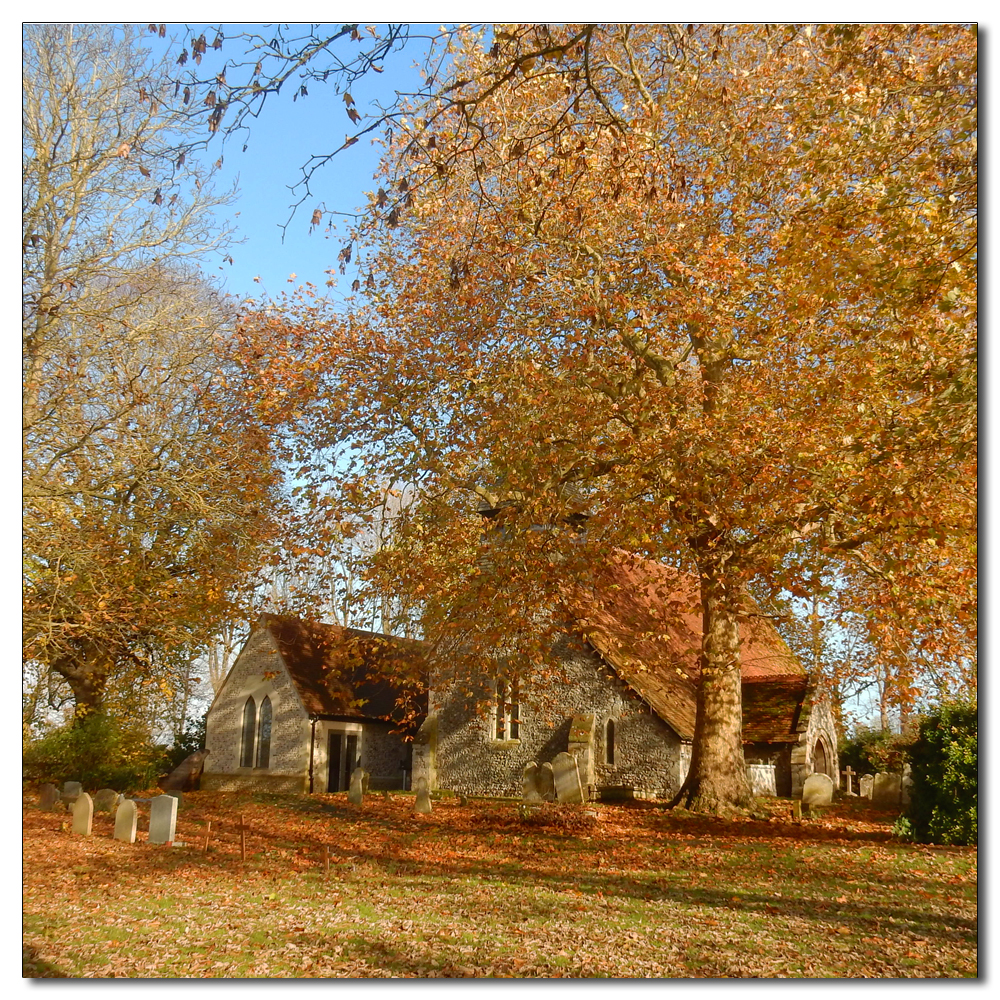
(348, 672)
(645, 620)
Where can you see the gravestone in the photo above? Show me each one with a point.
(162, 819)
(761, 779)
(83, 814)
(886, 790)
(48, 797)
(356, 793)
(529, 784)
(423, 803)
(906, 785)
(126, 821)
(186, 775)
(546, 782)
(71, 791)
(817, 790)
(849, 775)
(566, 775)
(105, 800)
(177, 794)
(865, 785)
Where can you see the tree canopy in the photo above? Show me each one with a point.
(146, 499)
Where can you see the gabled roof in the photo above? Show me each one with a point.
(645, 620)
(348, 672)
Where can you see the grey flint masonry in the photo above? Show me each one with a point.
(305, 704)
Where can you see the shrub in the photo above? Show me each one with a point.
(944, 758)
(190, 741)
(874, 750)
(99, 752)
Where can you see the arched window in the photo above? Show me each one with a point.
(508, 711)
(819, 758)
(264, 734)
(249, 730)
(609, 742)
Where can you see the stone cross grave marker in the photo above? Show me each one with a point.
(70, 792)
(817, 790)
(162, 819)
(126, 821)
(865, 785)
(83, 814)
(566, 775)
(356, 793)
(105, 800)
(423, 803)
(848, 782)
(546, 782)
(887, 790)
(529, 784)
(48, 797)
(906, 785)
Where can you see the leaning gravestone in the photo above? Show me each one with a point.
(886, 791)
(423, 803)
(83, 814)
(546, 782)
(817, 790)
(71, 791)
(566, 775)
(162, 819)
(126, 821)
(866, 785)
(356, 793)
(48, 797)
(186, 775)
(105, 800)
(529, 784)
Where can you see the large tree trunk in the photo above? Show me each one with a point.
(716, 782)
(87, 675)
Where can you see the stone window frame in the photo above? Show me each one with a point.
(262, 755)
(256, 693)
(506, 721)
(248, 733)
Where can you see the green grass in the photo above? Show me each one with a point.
(476, 891)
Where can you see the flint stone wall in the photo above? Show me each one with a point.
(459, 752)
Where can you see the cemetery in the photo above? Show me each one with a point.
(373, 883)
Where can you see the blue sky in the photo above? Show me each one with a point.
(279, 143)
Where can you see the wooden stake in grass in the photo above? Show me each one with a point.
(326, 860)
(243, 838)
(208, 833)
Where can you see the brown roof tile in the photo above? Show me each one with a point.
(645, 619)
(348, 672)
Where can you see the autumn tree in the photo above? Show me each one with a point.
(716, 283)
(145, 499)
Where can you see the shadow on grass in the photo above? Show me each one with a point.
(32, 967)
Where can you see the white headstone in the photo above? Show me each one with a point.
(817, 790)
(566, 776)
(423, 803)
(529, 784)
(162, 819)
(356, 793)
(865, 785)
(177, 794)
(126, 821)
(48, 797)
(906, 785)
(83, 814)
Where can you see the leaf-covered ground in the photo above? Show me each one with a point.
(480, 890)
